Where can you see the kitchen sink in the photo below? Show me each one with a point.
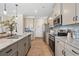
(14, 37)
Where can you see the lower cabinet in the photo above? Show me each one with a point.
(19, 48)
(23, 46)
(29, 41)
(71, 51)
(65, 49)
(59, 48)
(10, 51)
(68, 53)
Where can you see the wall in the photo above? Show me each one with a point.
(19, 21)
(39, 27)
(20, 24)
(36, 25)
(0, 26)
(3, 18)
(29, 23)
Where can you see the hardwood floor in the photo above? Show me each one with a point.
(39, 48)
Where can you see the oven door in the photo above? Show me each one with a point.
(52, 44)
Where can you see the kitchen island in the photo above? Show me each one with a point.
(15, 46)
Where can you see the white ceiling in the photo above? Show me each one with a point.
(28, 9)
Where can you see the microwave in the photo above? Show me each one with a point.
(58, 21)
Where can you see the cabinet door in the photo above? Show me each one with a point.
(29, 41)
(59, 48)
(9, 50)
(68, 13)
(56, 10)
(77, 11)
(21, 48)
(68, 53)
(26, 45)
(72, 51)
(14, 54)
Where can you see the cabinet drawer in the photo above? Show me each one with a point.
(68, 53)
(14, 54)
(9, 50)
(73, 50)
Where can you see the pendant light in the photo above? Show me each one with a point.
(16, 16)
(5, 11)
(16, 10)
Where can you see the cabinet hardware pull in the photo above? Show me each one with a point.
(75, 52)
(76, 18)
(73, 18)
(17, 53)
(63, 52)
(57, 41)
(24, 44)
(9, 51)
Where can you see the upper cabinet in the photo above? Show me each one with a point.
(68, 13)
(56, 10)
(77, 9)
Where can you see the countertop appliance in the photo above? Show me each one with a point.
(62, 33)
(52, 43)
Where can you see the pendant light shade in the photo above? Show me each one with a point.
(5, 11)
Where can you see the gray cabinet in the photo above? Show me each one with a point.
(10, 51)
(21, 47)
(24, 45)
(27, 44)
(29, 41)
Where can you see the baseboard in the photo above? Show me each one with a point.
(38, 37)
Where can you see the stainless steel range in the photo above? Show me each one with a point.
(52, 43)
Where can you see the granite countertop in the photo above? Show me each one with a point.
(71, 41)
(5, 42)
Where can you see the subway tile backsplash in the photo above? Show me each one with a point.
(73, 27)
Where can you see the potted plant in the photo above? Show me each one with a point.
(9, 24)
